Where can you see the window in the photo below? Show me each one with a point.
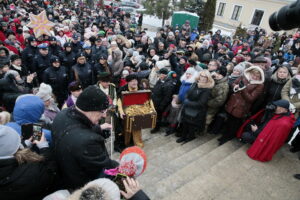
(221, 9)
(258, 14)
(236, 12)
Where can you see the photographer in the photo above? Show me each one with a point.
(271, 133)
(79, 142)
(25, 174)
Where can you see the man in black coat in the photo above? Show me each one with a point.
(57, 77)
(82, 71)
(41, 61)
(68, 57)
(162, 95)
(29, 53)
(79, 141)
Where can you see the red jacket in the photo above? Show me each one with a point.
(271, 138)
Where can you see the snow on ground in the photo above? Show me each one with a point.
(154, 21)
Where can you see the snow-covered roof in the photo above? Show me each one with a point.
(185, 12)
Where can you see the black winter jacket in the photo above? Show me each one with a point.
(58, 79)
(28, 55)
(83, 73)
(195, 106)
(29, 180)
(162, 94)
(79, 149)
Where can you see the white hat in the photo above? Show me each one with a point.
(45, 92)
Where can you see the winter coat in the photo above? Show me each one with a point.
(185, 86)
(83, 73)
(218, 96)
(58, 79)
(162, 93)
(240, 102)
(195, 105)
(79, 149)
(10, 91)
(287, 95)
(23, 72)
(55, 50)
(274, 88)
(76, 47)
(117, 64)
(29, 180)
(40, 64)
(28, 55)
(98, 68)
(272, 137)
(68, 59)
(101, 50)
(28, 109)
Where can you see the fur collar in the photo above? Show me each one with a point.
(247, 75)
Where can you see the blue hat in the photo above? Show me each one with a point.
(86, 46)
(43, 46)
(282, 103)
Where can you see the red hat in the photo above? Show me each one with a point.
(172, 46)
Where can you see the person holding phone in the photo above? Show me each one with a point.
(25, 174)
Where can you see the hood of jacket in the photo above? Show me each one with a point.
(192, 79)
(117, 55)
(28, 109)
(5, 49)
(248, 77)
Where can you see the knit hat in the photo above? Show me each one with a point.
(282, 103)
(74, 86)
(10, 142)
(133, 161)
(222, 70)
(240, 67)
(163, 71)
(92, 99)
(131, 77)
(14, 57)
(101, 188)
(45, 92)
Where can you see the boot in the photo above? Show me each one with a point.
(297, 176)
(170, 130)
(137, 138)
(155, 130)
(181, 139)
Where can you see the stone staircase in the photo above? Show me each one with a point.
(201, 169)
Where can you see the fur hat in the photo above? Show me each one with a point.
(101, 188)
(45, 92)
(10, 142)
(14, 57)
(92, 99)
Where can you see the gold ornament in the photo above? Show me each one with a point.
(40, 24)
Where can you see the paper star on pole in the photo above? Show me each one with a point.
(40, 24)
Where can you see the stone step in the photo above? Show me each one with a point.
(160, 189)
(239, 177)
(180, 156)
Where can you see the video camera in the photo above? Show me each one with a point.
(287, 18)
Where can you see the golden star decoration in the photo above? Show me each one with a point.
(40, 24)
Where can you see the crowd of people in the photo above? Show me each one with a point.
(71, 83)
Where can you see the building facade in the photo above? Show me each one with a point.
(249, 13)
